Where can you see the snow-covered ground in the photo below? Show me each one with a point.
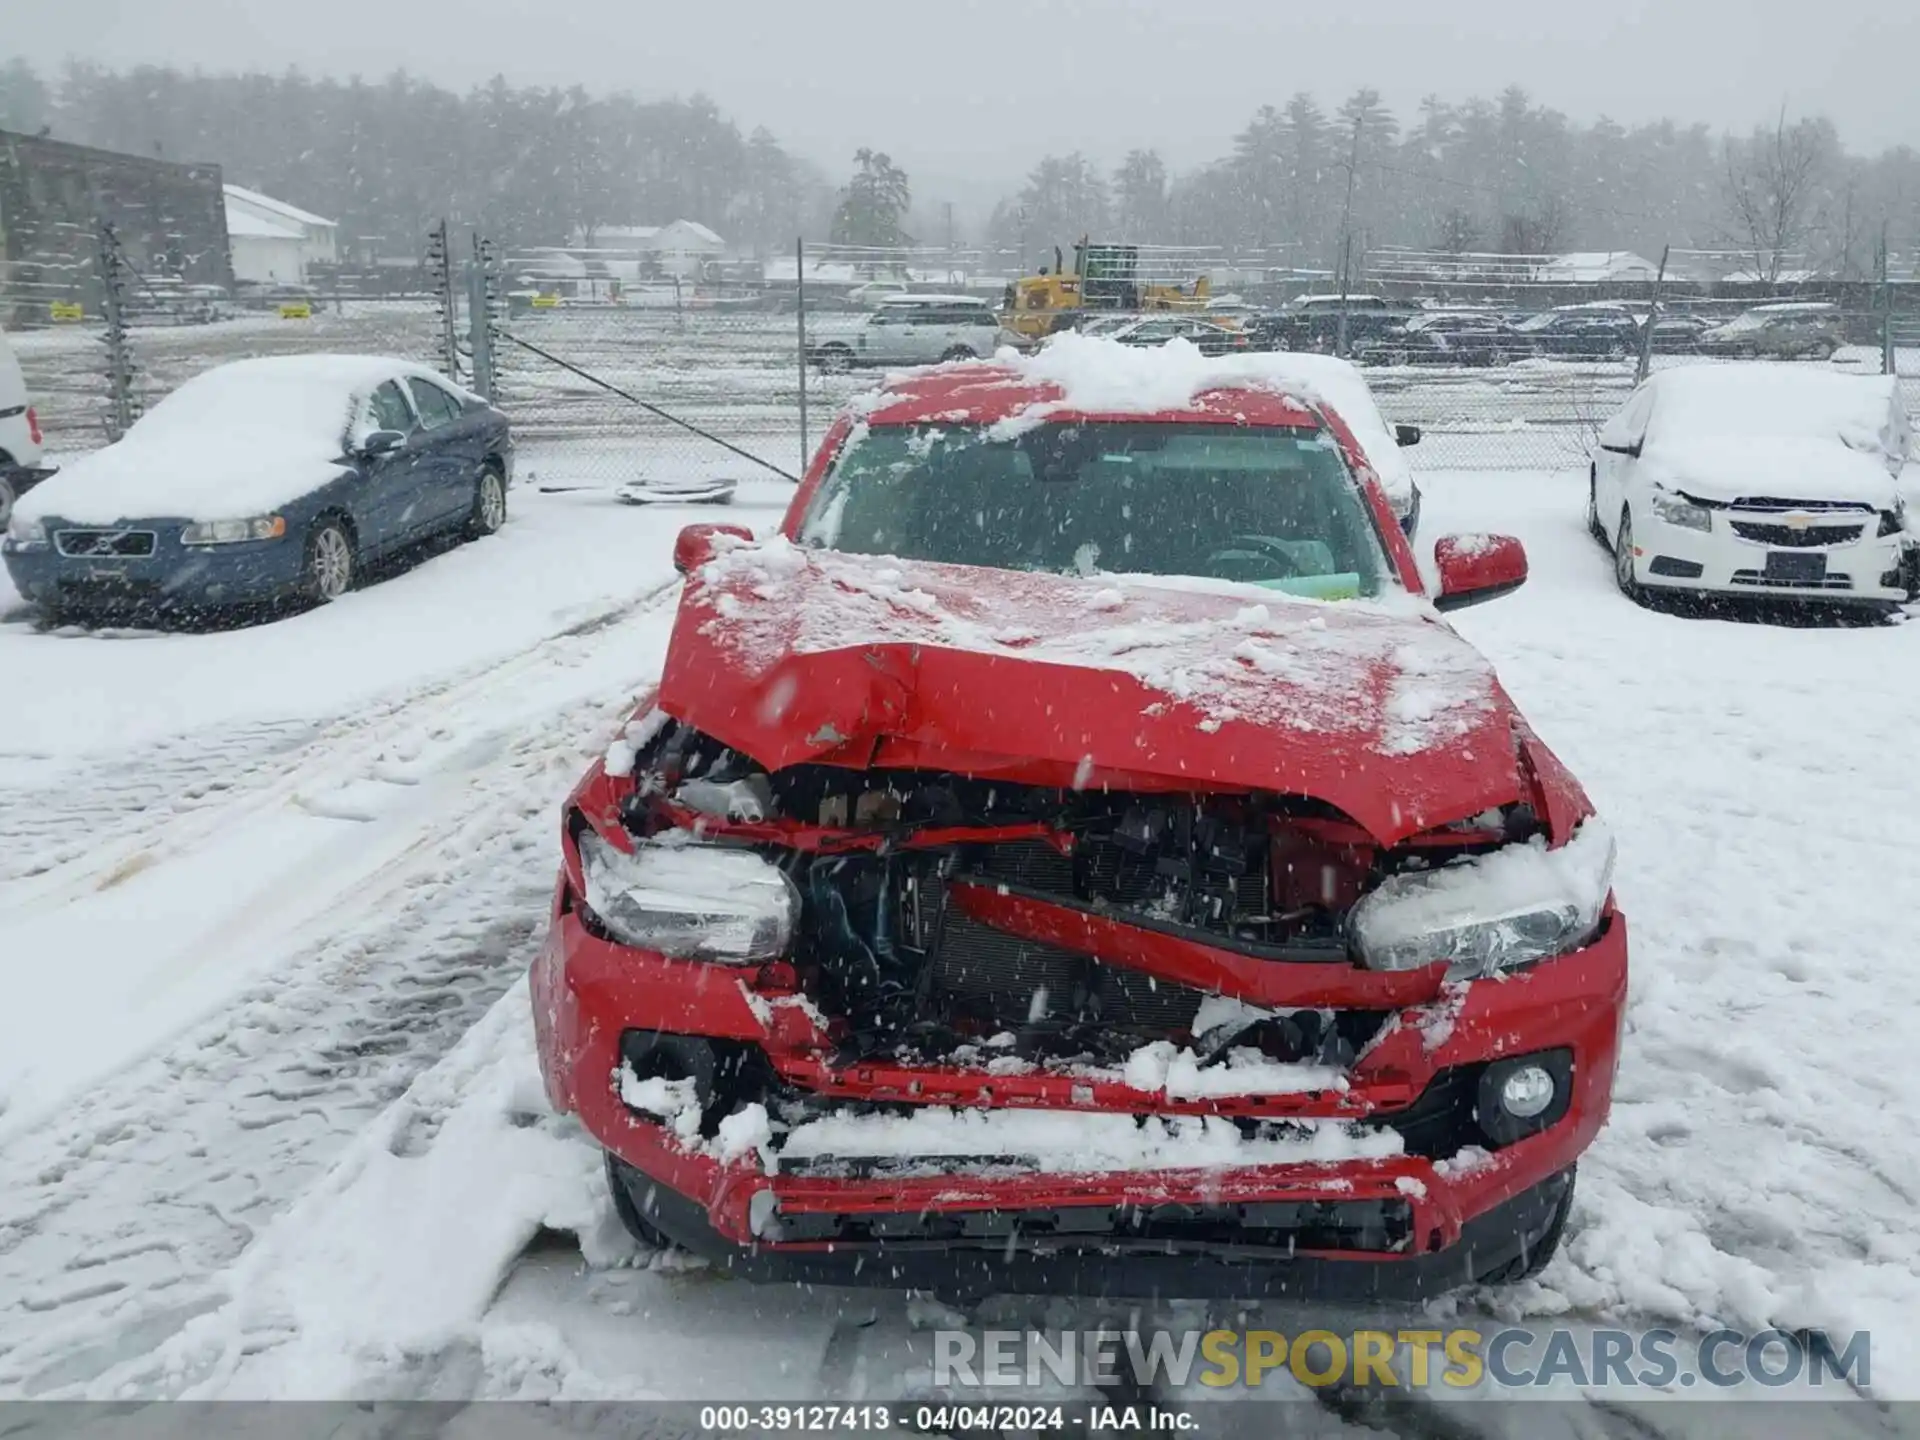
(272, 1121)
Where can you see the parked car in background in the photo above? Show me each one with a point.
(261, 481)
(1317, 328)
(1582, 332)
(1678, 334)
(1464, 338)
(910, 330)
(1801, 330)
(21, 453)
(1040, 865)
(1212, 336)
(871, 294)
(1757, 480)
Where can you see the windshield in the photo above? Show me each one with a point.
(1269, 507)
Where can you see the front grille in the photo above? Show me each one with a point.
(104, 544)
(1787, 537)
(1281, 1226)
(1775, 505)
(1763, 582)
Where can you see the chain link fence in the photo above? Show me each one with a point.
(623, 366)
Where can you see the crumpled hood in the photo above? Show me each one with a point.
(792, 655)
(1733, 468)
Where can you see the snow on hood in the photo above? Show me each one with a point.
(1376, 707)
(1791, 432)
(239, 440)
(1732, 467)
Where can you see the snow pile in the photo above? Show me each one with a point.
(1378, 668)
(1059, 1142)
(637, 735)
(238, 441)
(401, 1249)
(1161, 1068)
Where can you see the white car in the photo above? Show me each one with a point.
(20, 439)
(1756, 479)
(1343, 387)
(911, 330)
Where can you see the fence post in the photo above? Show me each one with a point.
(480, 320)
(1645, 367)
(119, 360)
(800, 310)
(440, 272)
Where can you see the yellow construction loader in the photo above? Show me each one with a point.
(1103, 278)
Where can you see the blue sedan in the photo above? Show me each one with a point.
(263, 481)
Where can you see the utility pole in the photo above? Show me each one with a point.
(1888, 362)
(1645, 366)
(1346, 241)
(800, 313)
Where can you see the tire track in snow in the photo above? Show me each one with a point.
(106, 817)
(118, 1220)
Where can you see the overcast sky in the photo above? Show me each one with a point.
(967, 93)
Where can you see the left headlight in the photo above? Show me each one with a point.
(232, 532)
(1678, 510)
(1492, 912)
(691, 901)
(1893, 521)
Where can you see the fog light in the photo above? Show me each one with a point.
(1527, 1092)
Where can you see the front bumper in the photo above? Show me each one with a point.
(1435, 1216)
(1870, 569)
(173, 577)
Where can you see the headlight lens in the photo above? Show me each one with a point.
(232, 532)
(1493, 912)
(1678, 510)
(1893, 521)
(27, 534)
(689, 900)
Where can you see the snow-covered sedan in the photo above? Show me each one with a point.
(260, 481)
(1756, 480)
(1073, 855)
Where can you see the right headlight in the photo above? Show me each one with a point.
(1493, 912)
(690, 900)
(1678, 510)
(233, 532)
(27, 534)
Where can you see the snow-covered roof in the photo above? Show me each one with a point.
(278, 207)
(1579, 265)
(239, 440)
(891, 301)
(697, 230)
(244, 224)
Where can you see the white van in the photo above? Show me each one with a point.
(20, 468)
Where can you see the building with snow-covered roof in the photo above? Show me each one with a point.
(272, 242)
(1596, 267)
(679, 248)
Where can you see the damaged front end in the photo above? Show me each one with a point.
(865, 1025)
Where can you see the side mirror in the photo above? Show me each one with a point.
(695, 545)
(1632, 450)
(382, 442)
(1477, 568)
(1406, 436)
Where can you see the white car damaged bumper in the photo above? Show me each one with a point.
(1814, 553)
